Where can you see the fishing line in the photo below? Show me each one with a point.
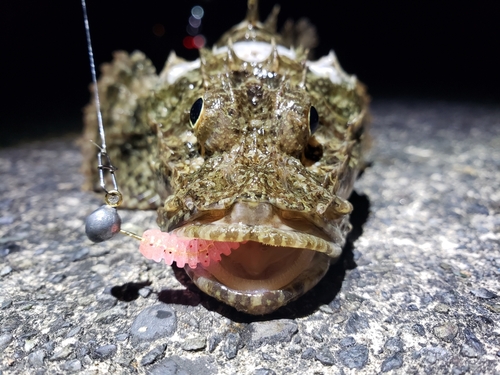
(103, 223)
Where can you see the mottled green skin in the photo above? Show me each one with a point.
(251, 143)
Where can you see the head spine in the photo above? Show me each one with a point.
(252, 12)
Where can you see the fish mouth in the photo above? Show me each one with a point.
(254, 295)
(277, 261)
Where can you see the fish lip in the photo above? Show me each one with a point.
(238, 232)
(264, 301)
(261, 302)
(331, 230)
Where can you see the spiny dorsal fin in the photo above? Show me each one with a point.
(233, 62)
(227, 84)
(272, 20)
(274, 58)
(252, 12)
(204, 53)
(230, 52)
(301, 53)
(302, 82)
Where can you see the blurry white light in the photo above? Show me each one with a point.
(197, 12)
(195, 22)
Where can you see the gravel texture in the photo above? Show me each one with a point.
(416, 291)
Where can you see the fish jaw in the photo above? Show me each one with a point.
(278, 260)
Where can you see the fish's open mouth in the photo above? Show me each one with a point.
(255, 266)
(270, 268)
(253, 256)
(259, 296)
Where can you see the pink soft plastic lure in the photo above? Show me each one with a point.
(158, 245)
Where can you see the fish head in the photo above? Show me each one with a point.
(264, 152)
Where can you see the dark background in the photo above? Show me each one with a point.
(426, 50)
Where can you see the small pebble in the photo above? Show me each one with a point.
(73, 365)
(4, 303)
(59, 324)
(144, 292)
(445, 266)
(442, 308)
(354, 357)
(29, 344)
(325, 356)
(271, 332)
(352, 297)
(183, 366)
(56, 278)
(105, 351)
(28, 335)
(5, 270)
(338, 318)
(494, 308)
(356, 323)
(267, 357)
(231, 345)
(446, 331)
(472, 348)
(213, 341)
(392, 363)
(309, 353)
(194, 343)
(326, 309)
(106, 301)
(121, 336)
(126, 357)
(61, 353)
(35, 359)
(483, 293)
(153, 355)
(109, 316)
(393, 345)
(419, 329)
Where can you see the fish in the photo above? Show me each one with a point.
(252, 149)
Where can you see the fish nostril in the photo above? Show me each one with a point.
(313, 151)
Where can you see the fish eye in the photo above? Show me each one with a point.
(195, 112)
(313, 119)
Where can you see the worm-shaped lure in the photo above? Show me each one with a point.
(158, 245)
